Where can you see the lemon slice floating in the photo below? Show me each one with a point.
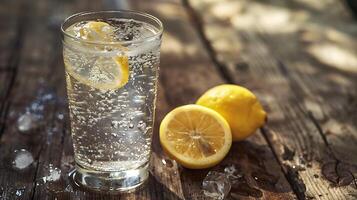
(106, 72)
(195, 136)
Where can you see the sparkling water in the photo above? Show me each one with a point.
(112, 128)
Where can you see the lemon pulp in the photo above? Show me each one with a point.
(195, 136)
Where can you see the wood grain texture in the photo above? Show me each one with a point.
(276, 48)
(40, 63)
(30, 69)
(11, 30)
(268, 57)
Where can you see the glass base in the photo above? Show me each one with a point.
(113, 182)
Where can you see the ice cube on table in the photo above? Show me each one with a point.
(22, 159)
(54, 174)
(216, 185)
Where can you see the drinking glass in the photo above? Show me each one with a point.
(111, 87)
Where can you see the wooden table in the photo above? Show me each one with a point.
(298, 56)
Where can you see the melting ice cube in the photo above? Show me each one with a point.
(54, 174)
(22, 159)
(216, 185)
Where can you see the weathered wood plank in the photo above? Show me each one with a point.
(11, 35)
(40, 63)
(5, 85)
(327, 80)
(186, 72)
(34, 57)
(249, 43)
(10, 31)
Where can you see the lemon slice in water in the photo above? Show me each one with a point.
(105, 72)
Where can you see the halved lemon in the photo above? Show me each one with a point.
(195, 136)
(104, 72)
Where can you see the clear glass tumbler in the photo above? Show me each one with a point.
(111, 62)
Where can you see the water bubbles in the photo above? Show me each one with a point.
(139, 100)
(115, 124)
(27, 122)
(22, 160)
(216, 185)
(131, 126)
(142, 126)
(90, 161)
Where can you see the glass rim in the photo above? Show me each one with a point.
(141, 40)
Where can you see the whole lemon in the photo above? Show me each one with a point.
(239, 106)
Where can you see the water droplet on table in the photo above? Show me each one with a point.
(232, 173)
(27, 122)
(22, 159)
(167, 162)
(216, 185)
(60, 116)
(19, 192)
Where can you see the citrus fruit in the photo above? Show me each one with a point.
(105, 72)
(195, 136)
(239, 106)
